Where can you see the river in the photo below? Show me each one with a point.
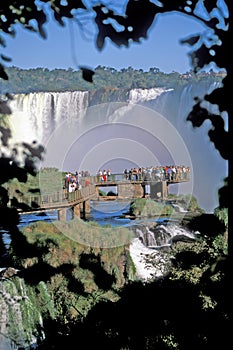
(103, 212)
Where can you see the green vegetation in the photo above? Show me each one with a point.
(222, 214)
(23, 81)
(95, 236)
(102, 193)
(56, 259)
(148, 207)
(25, 317)
(187, 201)
(201, 260)
(46, 181)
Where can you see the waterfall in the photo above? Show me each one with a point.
(151, 126)
(36, 115)
(149, 241)
(142, 95)
(148, 262)
(209, 169)
(162, 235)
(179, 209)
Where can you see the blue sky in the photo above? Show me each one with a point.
(70, 47)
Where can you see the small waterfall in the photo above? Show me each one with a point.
(148, 262)
(150, 238)
(162, 235)
(145, 248)
(171, 233)
(179, 209)
(142, 95)
(147, 237)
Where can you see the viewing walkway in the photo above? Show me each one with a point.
(79, 200)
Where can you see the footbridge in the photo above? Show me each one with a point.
(79, 200)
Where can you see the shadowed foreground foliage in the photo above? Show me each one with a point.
(98, 303)
(186, 309)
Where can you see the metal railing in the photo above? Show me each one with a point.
(119, 177)
(57, 199)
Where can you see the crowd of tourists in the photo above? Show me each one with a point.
(73, 181)
(158, 173)
(104, 175)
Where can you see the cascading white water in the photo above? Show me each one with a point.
(142, 95)
(179, 209)
(146, 270)
(36, 115)
(145, 247)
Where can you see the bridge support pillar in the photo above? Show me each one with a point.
(76, 211)
(159, 190)
(165, 189)
(62, 214)
(86, 206)
(82, 208)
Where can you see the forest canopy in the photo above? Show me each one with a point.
(59, 80)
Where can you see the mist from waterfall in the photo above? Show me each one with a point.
(209, 169)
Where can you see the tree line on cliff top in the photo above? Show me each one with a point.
(58, 80)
